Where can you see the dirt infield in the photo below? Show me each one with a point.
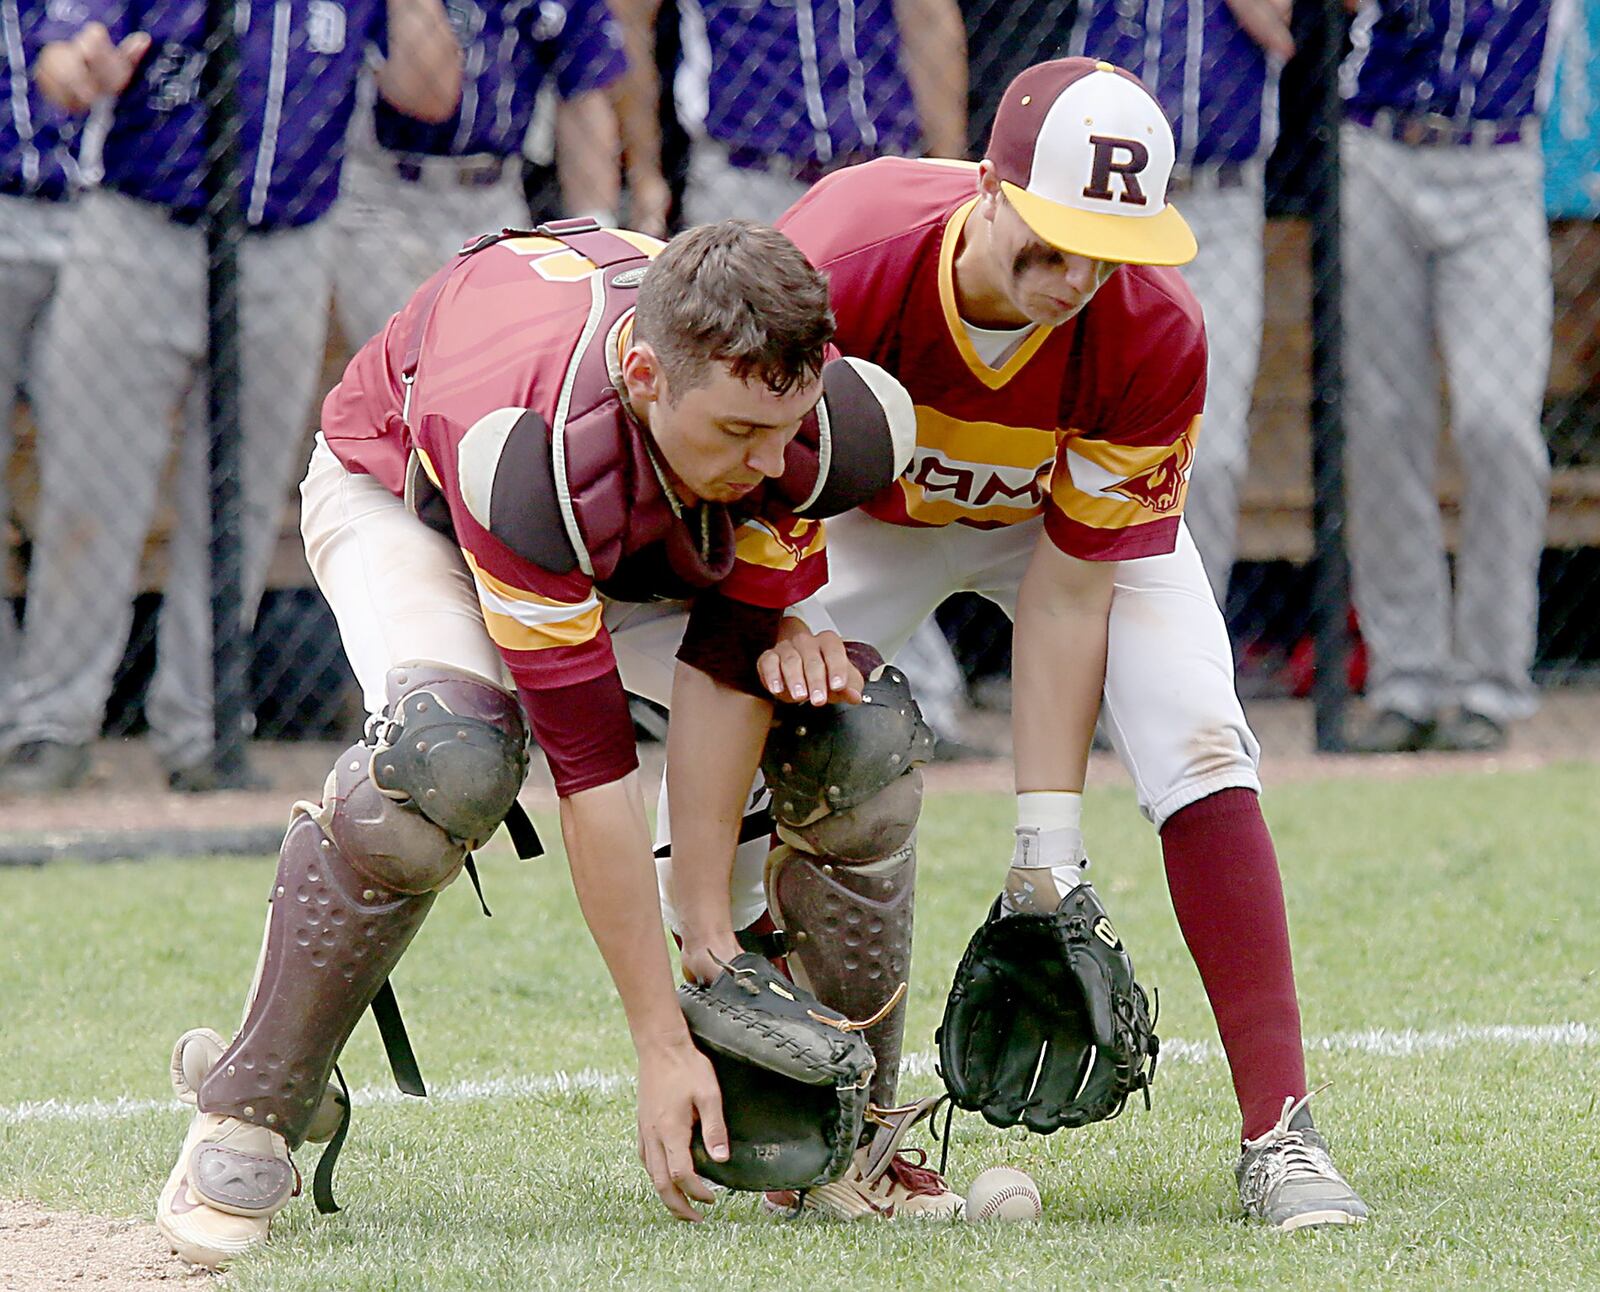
(126, 809)
(64, 1251)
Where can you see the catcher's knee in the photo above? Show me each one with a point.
(845, 779)
(437, 777)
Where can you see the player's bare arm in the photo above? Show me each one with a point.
(1059, 667)
(422, 73)
(608, 849)
(74, 73)
(636, 95)
(1267, 23)
(586, 153)
(933, 42)
(713, 747)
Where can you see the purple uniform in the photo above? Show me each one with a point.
(511, 47)
(1216, 85)
(1453, 60)
(297, 89)
(817, 81)
(35, 138)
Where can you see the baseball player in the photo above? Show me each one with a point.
(124, 350)
(554, 422)
(413, 192)
(1447, 253)
(37, 173)
(1215, 68)
(1059, 373)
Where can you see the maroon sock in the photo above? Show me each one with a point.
(1222, 873)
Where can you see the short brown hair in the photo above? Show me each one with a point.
(738, 293)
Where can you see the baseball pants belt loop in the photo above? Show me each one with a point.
(481, 171)
(1434, 130)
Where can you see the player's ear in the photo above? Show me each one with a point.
(642, 375)
(989, 192)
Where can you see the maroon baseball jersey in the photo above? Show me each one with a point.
(1093, 422)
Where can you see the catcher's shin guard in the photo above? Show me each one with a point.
(356, 876)
(846, 793)
(848, 929)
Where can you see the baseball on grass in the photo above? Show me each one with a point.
(1003, 1193)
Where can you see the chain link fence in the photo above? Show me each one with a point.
(185, 268)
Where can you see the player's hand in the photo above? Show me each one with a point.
(806, 667)
(1267, 23)
(74, 74)
(677, 1088)
(703, 956)
(649, 202)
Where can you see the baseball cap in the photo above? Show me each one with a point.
(1084, 153)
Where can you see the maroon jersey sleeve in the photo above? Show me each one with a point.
(1122, 470)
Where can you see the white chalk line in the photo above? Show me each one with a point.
(1378, 1042)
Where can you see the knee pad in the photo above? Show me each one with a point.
(843, 778)
(453, 747)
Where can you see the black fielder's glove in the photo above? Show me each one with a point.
(794, 1077)
(1044, 1024)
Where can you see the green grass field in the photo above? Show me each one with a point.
(1447, 933)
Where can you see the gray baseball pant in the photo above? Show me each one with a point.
(121, 369)
(390, 233)
(33, 240)
(1446, 257)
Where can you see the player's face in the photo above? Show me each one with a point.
(725, 436)
(1044, 284)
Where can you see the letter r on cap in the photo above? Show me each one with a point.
(1107, 163)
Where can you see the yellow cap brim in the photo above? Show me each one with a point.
(1161, 239)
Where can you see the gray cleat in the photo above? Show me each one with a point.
(1288, 1180)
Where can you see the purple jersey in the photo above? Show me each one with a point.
(1466, 60)
(35, 137)
(817, 81)
(1217, 86)
(511, 47)
(296, 91)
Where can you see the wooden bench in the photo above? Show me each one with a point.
(1275, 521)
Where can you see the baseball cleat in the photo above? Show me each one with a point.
(230, 1178)
(1288, 1180)
(883, 1180)
(903, 1188)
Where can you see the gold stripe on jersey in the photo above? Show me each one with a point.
(993, 378)
(759, 543)
(520, 620)
(986, 443)
(554, 260)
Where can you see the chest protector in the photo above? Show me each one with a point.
(582, 490)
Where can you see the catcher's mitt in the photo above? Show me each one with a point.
(1045, 1024)
(794, 1077)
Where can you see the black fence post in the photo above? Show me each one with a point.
(224, 234)
(1330, 570)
